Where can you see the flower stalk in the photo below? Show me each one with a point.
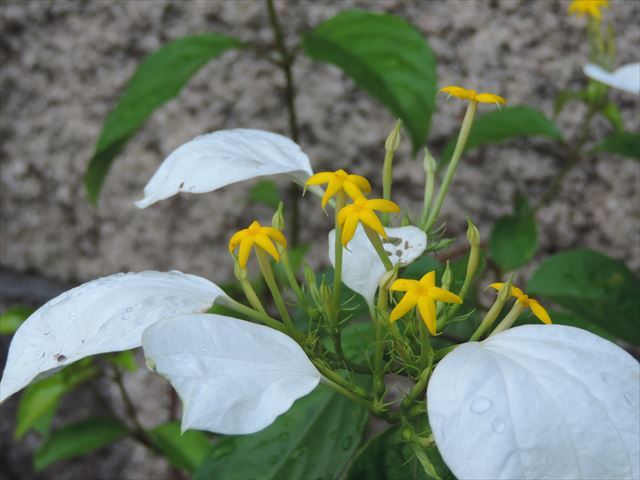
(267, 272)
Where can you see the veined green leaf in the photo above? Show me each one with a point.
(78, 439)
(594, 287)
(159, 78)
(186, 450)
(505, 124)
(40, 400)
(11, 319)
(626, 144)
(315, 439)
(385, 56)
(514, 239)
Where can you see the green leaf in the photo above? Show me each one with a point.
(387, 457)
(567, 96)
(505, 124)
(78, 439)
(159, 78)
(626, 144)
(186, 450)
(514, 239)
(125, 359)
(265, 192)
(11, 319)
(385, 56)
(593, 287)
(314, 439)
(612, 113)
(565, 318)
(40, 400)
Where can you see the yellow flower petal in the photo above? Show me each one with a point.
(245, 250)
(361, 182)
(349, 229)
(427, 309)
(429, 279)
(407, 303)
(382, 205)
(264, 242)
(334, 187)
(459, 92)
(276, 235)
(236, 239)
(371, 220)
(515, 291)
(320, 178)
(352, 190)
(490, 98)
(540, 312)
(344, 213)
(442, 295)
(403, 285)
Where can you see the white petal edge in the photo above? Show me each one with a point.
(104, 315)
(537, 401)
(233, 376)
(217, 159)
(361, 266)
(625, 78)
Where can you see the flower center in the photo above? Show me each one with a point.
(359, 204)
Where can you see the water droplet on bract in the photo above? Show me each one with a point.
(480, 405)
(498, 425)
(347, 442)
(283, 436)
(273, 459)
(629, 398)
(606, 378)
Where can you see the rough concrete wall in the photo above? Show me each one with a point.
(65, 63)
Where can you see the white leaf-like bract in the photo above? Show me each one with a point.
(537, 402)
(361, 265)
(104, 315)
(233, 376)
(211, 161)
(625, 78)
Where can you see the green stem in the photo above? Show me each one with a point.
(430, 175)
(374, 238)
(291, 278)
(387, 181)
(251, 295)
(337, 275)
(378, 367)
(491, 316)
(251, 313)
(510, 318)
(420, 386)
(267, 272)
(453, 164)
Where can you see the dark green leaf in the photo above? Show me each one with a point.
(593, 287)
(186, 450)
(505, 124)
(626, 144)
(314, 440)
(78, 439)
(422, 266)
(514, 239)
(11, 319)
(567, 96)
(265, 192)
(125, 359)
(565, 318)
(40, 400)
(159, 78)
(612, 113)
(385, 56)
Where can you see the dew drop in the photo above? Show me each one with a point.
(480, 405)
(629, 398)
(606, 378)
(498, 425)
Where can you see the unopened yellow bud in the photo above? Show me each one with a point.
(473, 234)
(393, 140)
(277, 221)
(429, 163)
(447, 276)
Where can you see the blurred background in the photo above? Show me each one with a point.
(65, 63)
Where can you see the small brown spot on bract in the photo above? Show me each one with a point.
(59, 357)
(181, 185)
(406, 244)
(398, 253)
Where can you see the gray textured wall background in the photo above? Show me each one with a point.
(64, 64)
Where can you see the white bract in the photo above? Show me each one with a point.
(105, 315)
(362, 268)
(537, 402)
(234, 377)
(625, 78)
(211, 161)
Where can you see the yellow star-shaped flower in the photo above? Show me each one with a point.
(354, 186)
(588, 7)
(537, 309)
(259, 236)
(473, 96)
(362, 211)
(424, 294)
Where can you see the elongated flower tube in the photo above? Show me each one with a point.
(587, 7)
(625, 78)
(355, 186)
(472, 95)
(424, 294)
(362, 211)
(261, 237)
(537, 309)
